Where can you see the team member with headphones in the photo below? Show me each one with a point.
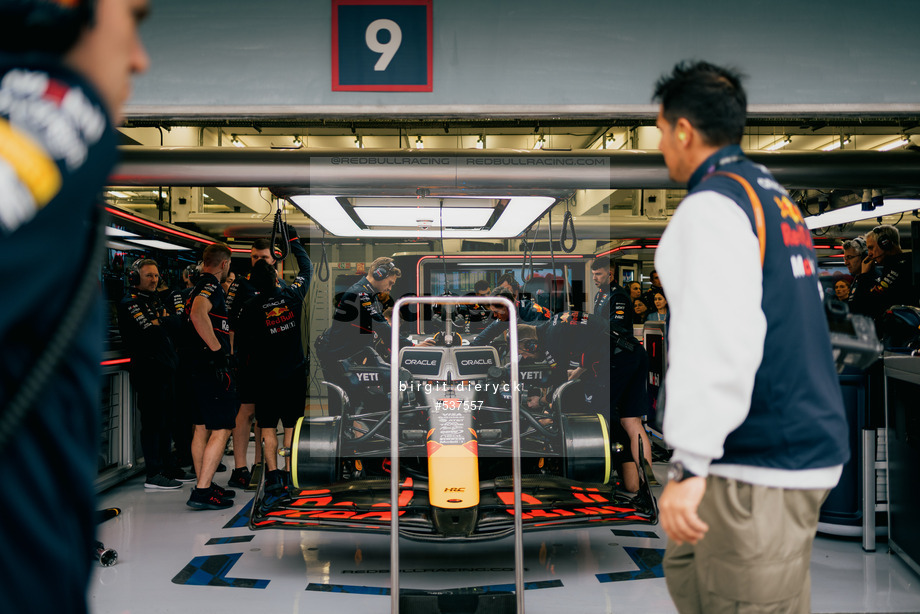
(894, 286)
(613, 374)
(358, 321)
(83, 52)
(147, 330)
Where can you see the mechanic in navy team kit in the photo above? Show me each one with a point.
(207, 339)
(54, 160)
(754, 412)
(240, 291)
(613, 303)
(527, 310)
(147, 329)
(612, 376)
(358, 321)
(269, 346)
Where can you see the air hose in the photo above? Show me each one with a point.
(567, 223)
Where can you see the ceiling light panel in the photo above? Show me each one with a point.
(854, 213)
(155, 244)
(111, 231)
(519, 213)
(466, 217)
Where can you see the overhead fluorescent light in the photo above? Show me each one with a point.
(453, 217)
(778, 144)
(540, 143)
(835, 144)
(519, 213)
(609, 141)
(419, 144)
(236, 142)
(118, 194)
(901, 142)
(122, 247)
(118, 232)
(156, 244)
(855, 213)
(481, 142)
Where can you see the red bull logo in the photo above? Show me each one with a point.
(278, 315)
(277, 312)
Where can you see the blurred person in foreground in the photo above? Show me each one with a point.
(65, 72)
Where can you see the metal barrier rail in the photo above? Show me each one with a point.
(515, 435)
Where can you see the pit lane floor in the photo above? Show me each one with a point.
(175, 559)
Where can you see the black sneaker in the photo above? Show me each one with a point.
(240, 477)
(205, 499)
(179, 475)
(223, 493)
(221, 468)
(161, 482)
(274, 481)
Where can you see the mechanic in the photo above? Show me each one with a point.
(51, 316)
(614, 374)
(241, 291)
(527, 310)
(894, 285)
(611, 298)
(208, 341)
(754, 411)
(854, 252)
(147, 329)
(358, 321)
(270, 350)
(649, 297)
(183, 430)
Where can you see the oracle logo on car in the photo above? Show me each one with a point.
(425, 363)
(477, 361)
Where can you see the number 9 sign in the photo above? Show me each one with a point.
(382, 46)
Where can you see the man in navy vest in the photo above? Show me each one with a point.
(754, 411)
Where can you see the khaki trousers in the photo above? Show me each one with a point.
(754, 558)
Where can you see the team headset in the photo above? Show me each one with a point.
(528, 345)
(883, 242)
(383, 271)
(134, 276)
(47, 26)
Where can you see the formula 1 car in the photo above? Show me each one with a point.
(454, 454)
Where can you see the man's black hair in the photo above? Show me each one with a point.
(480, 285)
(503, 293)
(601, 262)
(262, 277)
(511, 281)
(261, 243)
(710, 97)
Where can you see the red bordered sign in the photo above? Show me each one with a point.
(382, 45)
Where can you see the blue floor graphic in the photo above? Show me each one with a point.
(648, 560)
(212, 571)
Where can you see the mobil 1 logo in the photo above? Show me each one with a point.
(382, 45)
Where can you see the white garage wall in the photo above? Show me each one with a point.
(521, 57)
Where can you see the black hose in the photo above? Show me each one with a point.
(323, 264)
(552, 257)
(279, 231)
(568, 222)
